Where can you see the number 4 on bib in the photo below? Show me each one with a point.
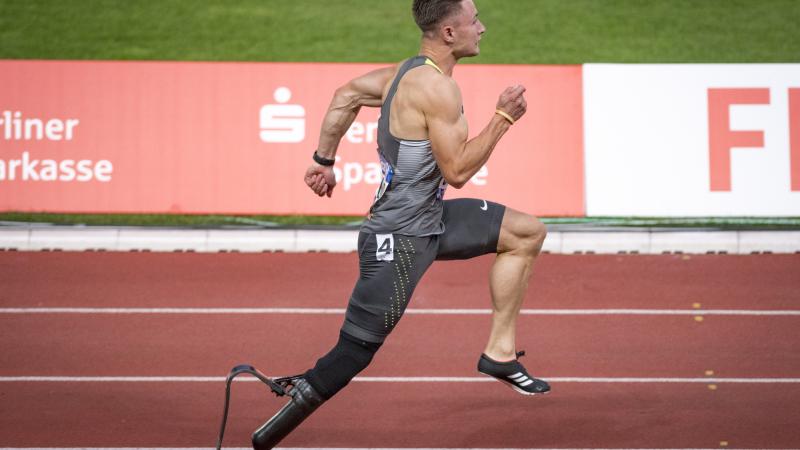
(385, 251)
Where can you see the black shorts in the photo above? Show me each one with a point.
(392, 265)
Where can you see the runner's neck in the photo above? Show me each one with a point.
(430, 62)
(441, 58)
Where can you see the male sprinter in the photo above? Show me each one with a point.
(423, 147)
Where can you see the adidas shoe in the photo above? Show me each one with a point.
(513, 374)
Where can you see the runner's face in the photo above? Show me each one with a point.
(468, 30)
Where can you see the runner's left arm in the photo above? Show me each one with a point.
(366, 90)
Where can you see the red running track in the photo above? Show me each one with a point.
(419, 414)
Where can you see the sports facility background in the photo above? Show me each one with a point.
(199, 115)
(92, 124)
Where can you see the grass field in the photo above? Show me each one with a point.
(220, 221)
(182, 220)
(519, 31)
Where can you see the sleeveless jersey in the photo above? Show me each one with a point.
(409, 199)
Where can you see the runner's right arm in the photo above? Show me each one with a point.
(366, 90)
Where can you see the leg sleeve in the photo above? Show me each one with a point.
(389, 272)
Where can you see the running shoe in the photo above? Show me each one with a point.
(513, 374)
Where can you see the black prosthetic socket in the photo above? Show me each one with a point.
(331, 373)
(305, 400)
(335, 370)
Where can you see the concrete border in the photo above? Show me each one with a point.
(565, 241)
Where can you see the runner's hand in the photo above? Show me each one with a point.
(320, 179)
(513, 102)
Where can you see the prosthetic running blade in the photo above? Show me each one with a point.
(279, 386)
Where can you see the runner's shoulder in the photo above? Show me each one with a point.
(433, 87)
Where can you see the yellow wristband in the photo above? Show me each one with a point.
(505, 116)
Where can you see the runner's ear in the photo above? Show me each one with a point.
(448, 33)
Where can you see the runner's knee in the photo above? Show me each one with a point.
(335, 370)
(528, 235)
(539, 232)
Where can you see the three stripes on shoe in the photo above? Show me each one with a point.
(520, 379)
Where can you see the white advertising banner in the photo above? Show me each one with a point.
(692, 140)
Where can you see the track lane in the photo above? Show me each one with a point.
(401, 414)
(325, 280)
(557, 346)
(370, 415)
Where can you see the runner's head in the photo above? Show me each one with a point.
(452, 22)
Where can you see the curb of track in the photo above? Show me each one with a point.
(560, 239)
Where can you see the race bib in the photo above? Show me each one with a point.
(388, 173)
(385, 251)
(442, 188)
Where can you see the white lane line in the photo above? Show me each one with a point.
(339, 448)
(556, 312)
(331, 448)
(176, 379)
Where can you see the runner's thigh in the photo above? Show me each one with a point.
(390, 268)
(472, 228)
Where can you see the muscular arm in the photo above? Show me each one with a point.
(366, 90)
(458, 158)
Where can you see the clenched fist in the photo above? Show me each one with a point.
(320, 179)
(512, 101)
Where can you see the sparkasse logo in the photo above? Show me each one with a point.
(282, 122)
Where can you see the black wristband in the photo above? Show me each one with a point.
(323, 161)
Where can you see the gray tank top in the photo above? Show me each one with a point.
(409, 199)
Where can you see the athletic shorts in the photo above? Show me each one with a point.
(392, 265)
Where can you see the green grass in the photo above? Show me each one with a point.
(519, 31)
(725, 223)
(219, 221)
(175, 220)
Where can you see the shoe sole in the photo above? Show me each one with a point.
(512, 385)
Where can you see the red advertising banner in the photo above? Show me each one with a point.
(236, 138)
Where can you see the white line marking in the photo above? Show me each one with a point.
(556, 312)
(188, 379)
(323, 448)
(331, 448)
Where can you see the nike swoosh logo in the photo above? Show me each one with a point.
(485, 206)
